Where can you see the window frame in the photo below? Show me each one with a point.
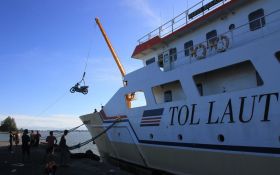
(150, 61)
(187, 46)
(166, 100)
(160, 60)
(256, 19)
(173, 56)
(211, 36)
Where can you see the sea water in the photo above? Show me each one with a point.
(73, 138)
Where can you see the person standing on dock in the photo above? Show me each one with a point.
(63, 149)
(32, 138)
(51, 140)
(17, 138)
(11, 141)
(25, 144)
(37, 138)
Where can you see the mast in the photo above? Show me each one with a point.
(116, 58)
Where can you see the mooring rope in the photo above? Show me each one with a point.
(94, 138)
(70, 130)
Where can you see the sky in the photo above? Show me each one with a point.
(45, 46)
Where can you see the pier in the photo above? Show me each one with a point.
(11, 163)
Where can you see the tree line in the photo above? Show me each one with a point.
(8, 124)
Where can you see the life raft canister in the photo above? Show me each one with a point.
(200, 51)
(223, 43)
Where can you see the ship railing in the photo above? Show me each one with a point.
(235, 37)
(196, 11)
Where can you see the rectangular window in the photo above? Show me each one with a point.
(167, 96)
(256, 19)
(160, 60)
(211, 37)
(170, 91)
(150, 61)
(187, 46)
(135, 99)
(173, 54)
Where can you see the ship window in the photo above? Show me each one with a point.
(160, 60)
(187, 46)
(231, 78)
(150, 61)
(256, 19)
(231, 27)
(277, 55)
(211, 37)
(171, 91)
(167, 96)
(135, 99)
(173, 54)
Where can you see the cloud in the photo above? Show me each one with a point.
(58, 121)
(143, 7)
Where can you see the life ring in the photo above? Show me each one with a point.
(200, 51)
(223, 43)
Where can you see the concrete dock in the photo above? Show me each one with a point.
(12, 163)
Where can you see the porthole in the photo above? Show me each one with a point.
(151, 136)
(180, 137)
(231, 26)
(221, 138)
(277, 55)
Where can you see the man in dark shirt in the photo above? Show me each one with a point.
(63, 149)
(25, 147)
(11, 141)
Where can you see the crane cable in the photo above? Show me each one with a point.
(87, 58)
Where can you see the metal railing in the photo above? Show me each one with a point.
(198, 10)
(236, 37)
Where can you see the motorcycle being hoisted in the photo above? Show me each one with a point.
(78, 88)
(82, 89)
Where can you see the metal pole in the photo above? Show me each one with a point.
(111, 48)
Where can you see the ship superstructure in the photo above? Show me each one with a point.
(206, 100)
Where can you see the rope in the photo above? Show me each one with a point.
(52, 104)
(86, 62)
(94, 138)
(70, 130)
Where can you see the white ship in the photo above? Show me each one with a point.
(206, 100)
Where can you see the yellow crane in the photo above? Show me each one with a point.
(116, 58)
(131, 96)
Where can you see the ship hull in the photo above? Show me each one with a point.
(181, 158)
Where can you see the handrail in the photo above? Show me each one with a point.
(233, 36)
(159, 31)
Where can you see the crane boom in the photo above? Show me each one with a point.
(120, 66)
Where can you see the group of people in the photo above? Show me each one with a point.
(33, 139)
(14, 137)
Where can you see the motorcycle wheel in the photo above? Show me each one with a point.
(72, 90)
(85, 91)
